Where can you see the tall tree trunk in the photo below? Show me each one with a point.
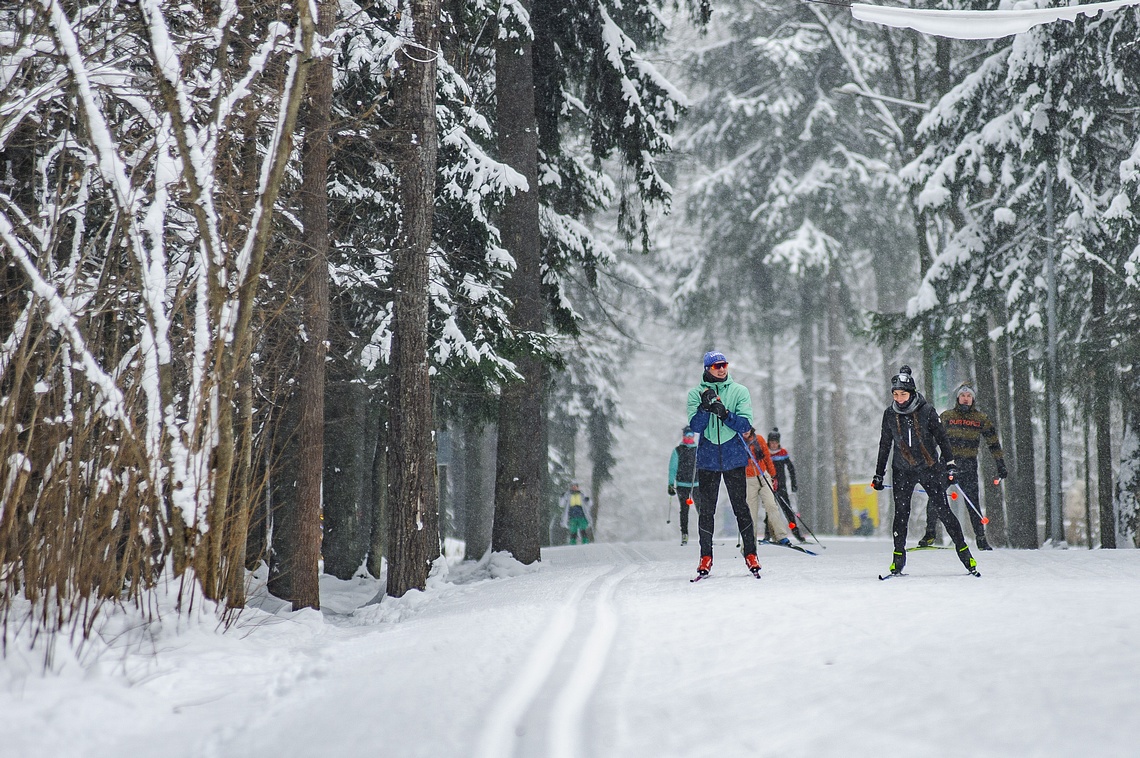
(480, 496)
(305, 585)
(984, 371)
(770, 419)
(413, 517)
(804, 433)
(838, 404)
(1002, 374)
(1102, 418)
(1023, 503)
(349, 452)
(378, 543)
(1126, 523)
(521, 465)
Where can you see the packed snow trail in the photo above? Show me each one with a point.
(607, 650)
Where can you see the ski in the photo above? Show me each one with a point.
(883, 577)
(790, 547)
(975, 572)
(699, 577)
(927, 547)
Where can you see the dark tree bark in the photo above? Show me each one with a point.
(315, 292)
(413, 516)
(480, 496)
(1023, 502)
(804, 434)
(1102, 419)
(521, 466)
(349, 452)
(984, 371)
(378, 544)
(838, 404)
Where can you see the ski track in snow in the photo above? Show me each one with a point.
(505, 723)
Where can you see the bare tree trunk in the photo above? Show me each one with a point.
(413, 515)
(1023, 503)
(1102, 418)
(480, 494)
(804, 434)
(984, 371)
(838, 404)
(521, 466)
(305, 584)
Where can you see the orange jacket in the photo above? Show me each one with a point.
(759, 449)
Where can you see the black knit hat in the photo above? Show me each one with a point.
(774, 434)
(904, 381)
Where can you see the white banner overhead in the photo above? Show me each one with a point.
(976, 24)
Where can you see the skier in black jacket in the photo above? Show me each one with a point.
(912, 429)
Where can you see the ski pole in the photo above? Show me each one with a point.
(760, 471)
(954, 496)
(668, 508)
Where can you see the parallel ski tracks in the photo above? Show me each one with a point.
(537, 699)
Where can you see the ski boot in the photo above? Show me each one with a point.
(753, 564)
(684, 538)
(968, 560)
(983, 545)
(926, 541)
(898, 562)
(704, 566)
(785, 542)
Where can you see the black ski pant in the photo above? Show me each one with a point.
(934, 482)
(708, 490)
(967, 479)
(683, 496)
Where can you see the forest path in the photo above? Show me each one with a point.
(608, 651)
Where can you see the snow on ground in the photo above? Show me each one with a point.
(609, 650)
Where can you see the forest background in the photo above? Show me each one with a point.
(329, 286)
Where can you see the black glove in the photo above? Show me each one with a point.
(672, 490)
(708, 397)
(1002, 471)
(951, 472)
(793, 486)
(717, 409)
(877, 482)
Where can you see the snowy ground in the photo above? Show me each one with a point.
(608, 650)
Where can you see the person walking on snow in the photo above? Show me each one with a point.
(785, 480)
(761, 484)
(911, 429)
(965, 426)
(576, 514)
(683, 477)
(720, 410)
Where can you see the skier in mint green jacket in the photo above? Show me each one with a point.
(720, 410)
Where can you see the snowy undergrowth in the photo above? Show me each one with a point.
(129, 639)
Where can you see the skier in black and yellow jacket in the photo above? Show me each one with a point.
(966, 426)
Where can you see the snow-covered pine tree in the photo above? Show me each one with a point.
(1055, 102)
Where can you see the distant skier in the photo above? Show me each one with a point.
(965, 426)
(785, 480)
(761, 483)
(576, 514)
(912, 429)
(683, 477)
(720, 410)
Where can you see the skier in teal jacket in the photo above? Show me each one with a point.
(720, 410)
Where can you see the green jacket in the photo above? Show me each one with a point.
(721, 448)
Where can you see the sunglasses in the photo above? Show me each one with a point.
(719, 365)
